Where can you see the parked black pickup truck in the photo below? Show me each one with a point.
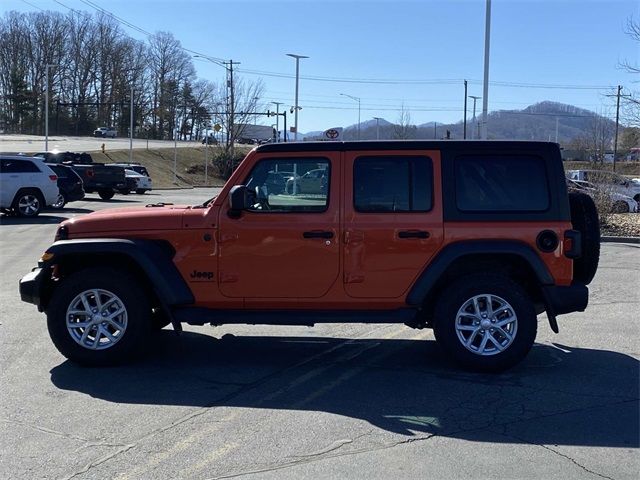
(106, 180)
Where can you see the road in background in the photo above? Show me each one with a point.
(35, 143)
(333, 401)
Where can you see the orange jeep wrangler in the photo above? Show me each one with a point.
(473, 239)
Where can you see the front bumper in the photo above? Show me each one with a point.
(32, 286)
(561, 300)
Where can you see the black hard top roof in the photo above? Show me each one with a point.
(401, 145)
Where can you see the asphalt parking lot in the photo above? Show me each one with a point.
(333, 401)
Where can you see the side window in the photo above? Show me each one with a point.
(18, 166)
(290, 184)
(514, 183)
(392, 184)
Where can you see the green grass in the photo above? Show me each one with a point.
(159, 163)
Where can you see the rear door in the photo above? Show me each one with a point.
(287, 244)
(392, 220)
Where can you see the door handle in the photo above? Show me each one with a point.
(413, 234)
(317, 234)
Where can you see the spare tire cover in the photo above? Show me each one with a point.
(584, 217)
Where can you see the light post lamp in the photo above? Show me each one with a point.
(377, 119)
(357, 99)
(297, 57)
(46, 109)
(474, 97)
(277, 104)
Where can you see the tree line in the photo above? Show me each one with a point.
(92, 68)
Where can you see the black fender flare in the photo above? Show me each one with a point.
(452, 252)
(148, 255)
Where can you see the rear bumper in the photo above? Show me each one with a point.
(561, 300)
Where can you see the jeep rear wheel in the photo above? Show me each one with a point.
(99, 317)
(485, 322)
(584, 218)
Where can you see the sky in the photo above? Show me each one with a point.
(396, 54)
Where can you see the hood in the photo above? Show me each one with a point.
(130, 219)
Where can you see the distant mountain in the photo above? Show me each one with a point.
(535, 122)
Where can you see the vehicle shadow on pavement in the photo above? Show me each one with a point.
(112, 200)
(558, 395)
(39, 220)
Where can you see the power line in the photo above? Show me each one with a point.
(32, 5)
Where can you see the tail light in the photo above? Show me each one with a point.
(90, 173)
(53, 178)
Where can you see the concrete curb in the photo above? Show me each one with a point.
(620, 239)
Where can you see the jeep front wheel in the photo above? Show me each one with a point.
(99, 317)
(485, 323)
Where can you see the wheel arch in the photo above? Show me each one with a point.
(516, 260)
(148, 261)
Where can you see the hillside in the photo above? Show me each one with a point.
(535, 122)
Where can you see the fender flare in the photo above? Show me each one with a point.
(150, 257)
(436, 268)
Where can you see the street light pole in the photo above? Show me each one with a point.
(485, 90)
(46, 108)
(474, 114)
(131, 128)
(297, 57)
(377, 119)
(357, 99)
(277, 104)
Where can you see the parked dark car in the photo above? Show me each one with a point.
(69, 183)
(66, 157)
(96, 177)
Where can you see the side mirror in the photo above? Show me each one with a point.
(240, 199)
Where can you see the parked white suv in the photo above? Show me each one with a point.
(618, 183)
(26, 185)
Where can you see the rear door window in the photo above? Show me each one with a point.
(392, 184)
(499, 183)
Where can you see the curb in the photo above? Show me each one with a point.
(620, 239)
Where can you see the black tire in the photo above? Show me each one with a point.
(584, 218)
(140, 191)
(28, 203)
(620, 207)
(461, 291)
(106, 194)
(60, 202)
(133, 300)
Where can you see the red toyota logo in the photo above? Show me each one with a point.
(333, 133)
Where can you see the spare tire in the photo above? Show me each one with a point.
(584, 218)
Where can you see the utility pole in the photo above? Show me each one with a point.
(464, 130)
(230, 127)
(474, 114)
(435, 130)
(557, 121)
(357, 99)
(487, 41)
(615, 141)
(377, 119)
(277, 104)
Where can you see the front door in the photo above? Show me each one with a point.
(287, 244)
(392, 220)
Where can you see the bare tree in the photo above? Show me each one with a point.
(631, 103)
(403, 129)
